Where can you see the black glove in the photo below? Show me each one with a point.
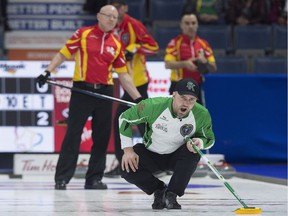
(138, 100)
(42, 79)
(202, 67)
(128, 55)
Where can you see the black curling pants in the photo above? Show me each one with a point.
(80, 108)
(182, 162)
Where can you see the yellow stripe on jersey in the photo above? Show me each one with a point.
(64, 51)
(121, 70)
(132, 34)
(85, 54)
(118, 44)
(117, 70)
(211, 58)
(177, 74)
(78, 72)
(150, 48)
(169, 57)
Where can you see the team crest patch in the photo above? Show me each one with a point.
(186, 129)
(125, 38)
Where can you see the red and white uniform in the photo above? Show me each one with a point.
(96, 53)
(134, 35)
(182, 48)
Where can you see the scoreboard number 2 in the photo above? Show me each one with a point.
(43, 119)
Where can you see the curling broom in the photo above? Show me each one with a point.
(245, 209)
(93, 94)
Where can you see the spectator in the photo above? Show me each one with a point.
(137, 43)
(282, 15)
(188, 55)
(96, 52)
(278, 11)
(207, 11)
(247, 12)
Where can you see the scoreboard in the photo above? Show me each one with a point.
(27, 119)
(24, 104)
(31, 118)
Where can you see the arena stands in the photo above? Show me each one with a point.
(231, 44)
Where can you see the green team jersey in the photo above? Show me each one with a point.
(165, 132)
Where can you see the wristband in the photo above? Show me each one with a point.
(139, 100)
(47, 71)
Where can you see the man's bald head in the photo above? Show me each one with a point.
(107, 17)
(108, 8)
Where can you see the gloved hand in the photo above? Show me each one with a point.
(42, 79)
(198, 142)
(202, 67)
(138, 100)
(128, 55)
(130, 51)
(202, 63)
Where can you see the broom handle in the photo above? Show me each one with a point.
(93, 94)
(217, 173)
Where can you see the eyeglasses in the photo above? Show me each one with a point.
(109, 16)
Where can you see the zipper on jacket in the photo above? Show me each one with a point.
(102, 43)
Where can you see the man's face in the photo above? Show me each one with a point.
(189, 25)
(182, 104)
(107, 18)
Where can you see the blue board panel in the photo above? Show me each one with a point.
(249, 115)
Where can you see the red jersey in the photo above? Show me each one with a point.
(132, 32)
(95, 53)
(183, 48)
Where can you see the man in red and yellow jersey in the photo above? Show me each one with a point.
(188, 55)
(137, 43)
(96, 51)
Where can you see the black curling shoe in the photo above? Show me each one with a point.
(60, 185)
(95, 185)
(170, 200)
(159, 199)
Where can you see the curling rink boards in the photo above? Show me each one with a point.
(35, 195)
